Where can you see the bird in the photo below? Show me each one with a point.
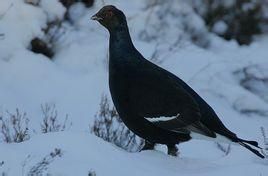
(154, 103)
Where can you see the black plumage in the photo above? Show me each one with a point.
(152, 102)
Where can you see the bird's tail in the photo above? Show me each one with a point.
(245, 143)
(254, 143)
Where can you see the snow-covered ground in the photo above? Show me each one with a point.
(76, 77)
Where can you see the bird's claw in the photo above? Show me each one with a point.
(173, 150)
(148, 146)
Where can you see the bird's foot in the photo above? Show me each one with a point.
(148, 146)
(173, 150)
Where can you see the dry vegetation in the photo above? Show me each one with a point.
(14, 127)
(108, 126)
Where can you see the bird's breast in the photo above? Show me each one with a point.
(119, 87)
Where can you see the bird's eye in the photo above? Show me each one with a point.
(109, 14)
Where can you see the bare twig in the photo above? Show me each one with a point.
(33, 2)
(5, 12)
(264, 151)
(92, 173)
(14, 128)
(109, 126)
(50, 121)
(225, 150)
(42, 166)
(2, 173)
(24, 163)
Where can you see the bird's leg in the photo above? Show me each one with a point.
(173, 150)
(148, 146)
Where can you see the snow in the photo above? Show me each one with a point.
(86, 150)
(53, 9)
(219, 27)
(76, 11)
(75, 79)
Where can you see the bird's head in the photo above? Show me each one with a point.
(110, 17)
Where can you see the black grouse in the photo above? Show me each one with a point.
(152, 102)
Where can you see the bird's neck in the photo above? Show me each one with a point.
(120, 42)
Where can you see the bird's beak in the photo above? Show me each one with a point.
(96, 17)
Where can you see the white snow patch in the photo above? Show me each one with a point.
(219, 27)
(53, 8)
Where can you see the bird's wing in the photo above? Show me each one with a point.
(158, 97)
